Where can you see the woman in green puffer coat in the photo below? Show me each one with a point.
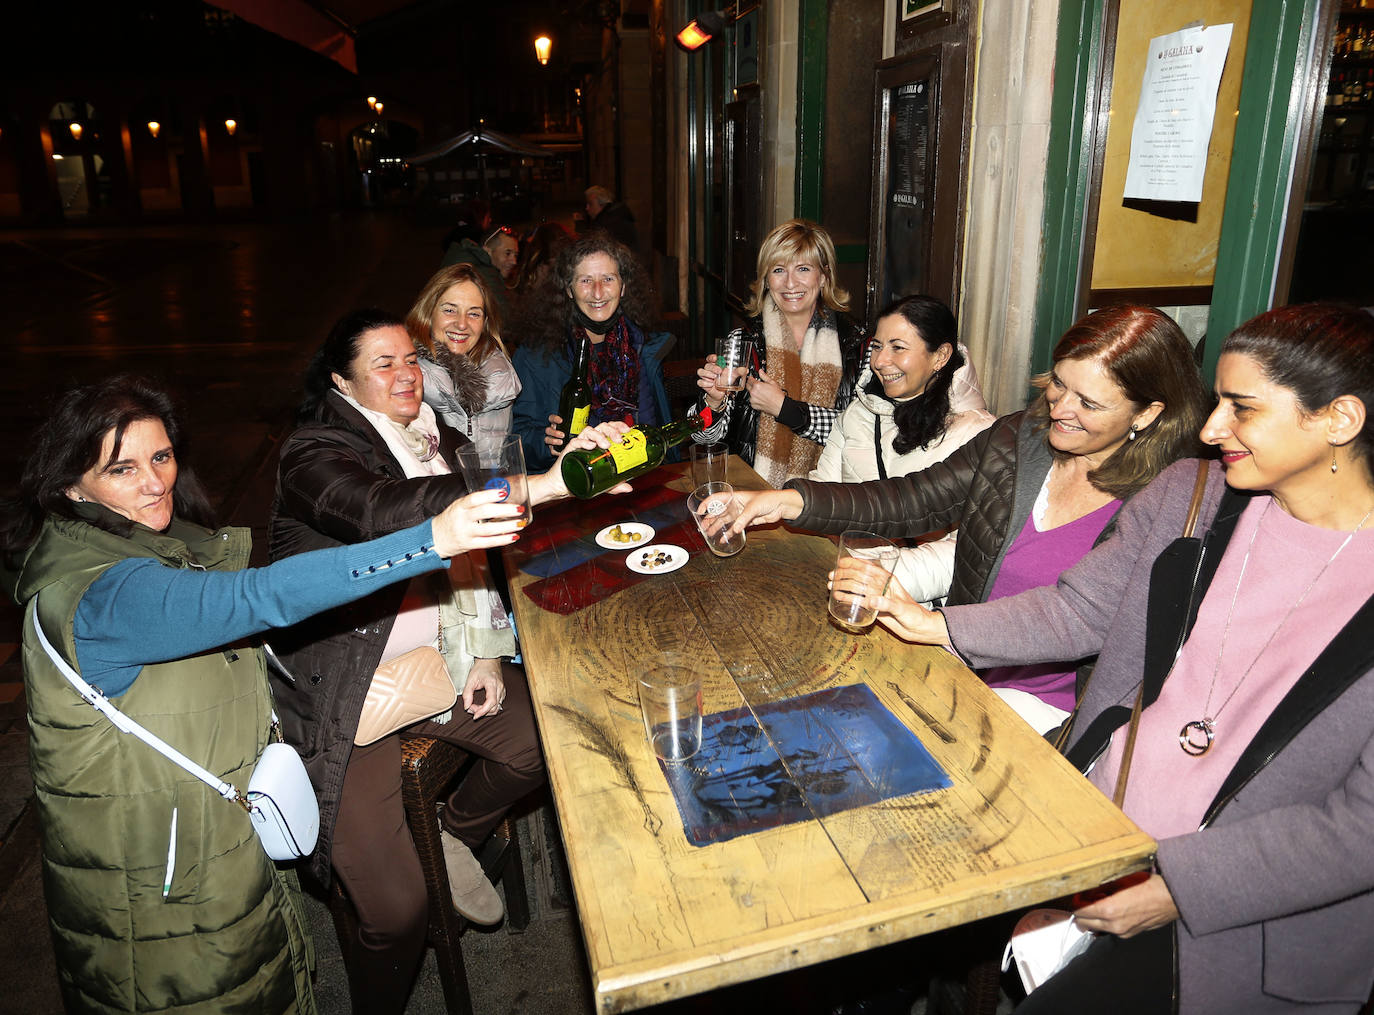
(159, 895)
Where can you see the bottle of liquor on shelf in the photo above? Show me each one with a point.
(575, 400)
(590, 471)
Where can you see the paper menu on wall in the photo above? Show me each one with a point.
(1173, 122)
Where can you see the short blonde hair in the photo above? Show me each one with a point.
(798, 240)
(422, 312)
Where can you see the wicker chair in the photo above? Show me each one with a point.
(428, 768)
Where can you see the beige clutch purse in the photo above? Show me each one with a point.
(411, 687)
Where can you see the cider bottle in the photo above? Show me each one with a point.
(590, 471)
(575, 400)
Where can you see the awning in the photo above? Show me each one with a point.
(298, 22)
(483, 138)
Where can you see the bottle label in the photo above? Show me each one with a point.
(632, 451)
(579, 420)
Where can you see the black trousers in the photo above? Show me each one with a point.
(1115, 976)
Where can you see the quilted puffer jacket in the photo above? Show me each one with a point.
(987, 488)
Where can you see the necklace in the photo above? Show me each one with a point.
(1197, 735)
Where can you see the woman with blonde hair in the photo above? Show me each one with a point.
(469, 379)
(806, 369)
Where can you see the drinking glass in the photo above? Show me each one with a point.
(708, 462)
(846, 607)
(497, 462)
(734, 354)
(670, 700)
(715, 508)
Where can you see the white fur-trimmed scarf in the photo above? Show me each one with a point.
(809, 375)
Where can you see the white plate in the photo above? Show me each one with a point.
(676, 555)
(644, 532)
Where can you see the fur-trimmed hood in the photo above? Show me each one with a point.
(469, 382)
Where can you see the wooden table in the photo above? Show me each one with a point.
(662, 918)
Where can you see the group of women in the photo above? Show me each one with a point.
(1232, 657)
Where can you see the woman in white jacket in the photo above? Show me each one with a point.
(918, 400)
(469, 380)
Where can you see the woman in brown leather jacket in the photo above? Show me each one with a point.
(1035, 491)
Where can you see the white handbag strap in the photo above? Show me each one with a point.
(124, 724)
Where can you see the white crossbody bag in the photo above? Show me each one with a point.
(280, 800)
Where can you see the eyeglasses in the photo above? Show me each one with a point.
(500, 231)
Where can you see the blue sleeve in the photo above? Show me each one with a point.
(141, 611)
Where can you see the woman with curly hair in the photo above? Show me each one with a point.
(597, 292)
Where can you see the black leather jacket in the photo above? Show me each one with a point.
(338, 484)
(979, 488)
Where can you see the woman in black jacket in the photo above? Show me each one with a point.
(368, 457)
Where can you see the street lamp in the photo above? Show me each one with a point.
(76, 130)
(372, 102)
(378, 108)
(154, 128)
(542, 45)
(701, 30)
(230, 126)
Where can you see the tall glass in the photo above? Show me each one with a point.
(497, 462)
(734, 355)
(847, 603)
(670, 701)
(714, 507)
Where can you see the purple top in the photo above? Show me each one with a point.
(1035, 559)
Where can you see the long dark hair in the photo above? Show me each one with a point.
(67, 445)
(920, 421)
(1318, 351)
(546, 314)
(1149, 358)
(337, 354)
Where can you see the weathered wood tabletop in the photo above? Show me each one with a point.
(662, 918)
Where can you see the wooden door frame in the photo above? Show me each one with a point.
(1275, 115)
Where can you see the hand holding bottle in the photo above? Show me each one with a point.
(550, 486)
(553, 433)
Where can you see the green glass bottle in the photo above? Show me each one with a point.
(591, 471)
(575, 400)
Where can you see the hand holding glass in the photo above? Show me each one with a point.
(863, 568)
(715, 509)
(497, 462)
(670, 700)
(734, 354)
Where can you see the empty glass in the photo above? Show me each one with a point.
(670, 700)
(734, 355)
(715, 508)
(708, 463)
(497, 462)
(846, 604)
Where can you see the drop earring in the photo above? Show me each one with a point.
(1333, 459)
(1131, 436)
